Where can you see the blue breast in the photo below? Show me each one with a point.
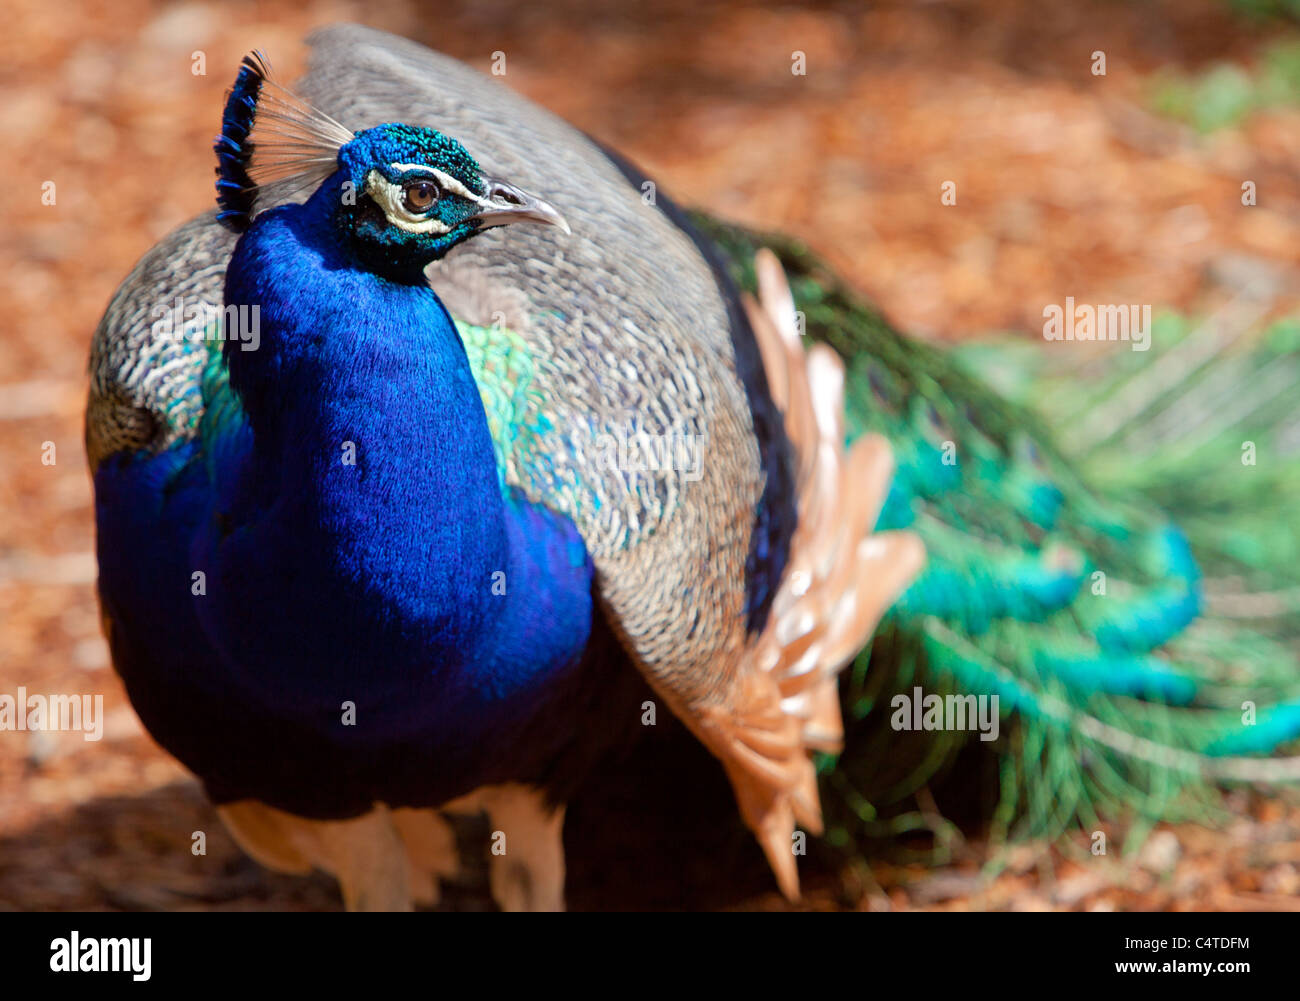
(354, 546)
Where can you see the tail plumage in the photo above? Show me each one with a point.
(1076, 601)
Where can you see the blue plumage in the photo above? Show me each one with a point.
(342, 585)
(412, 533)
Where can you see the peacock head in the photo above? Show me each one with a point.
(403, 196)
(418, 193)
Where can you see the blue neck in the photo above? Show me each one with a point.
(392, 557)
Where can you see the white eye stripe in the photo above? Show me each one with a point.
(448, 183)
(390, 197)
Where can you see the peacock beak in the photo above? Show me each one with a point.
(504, 203)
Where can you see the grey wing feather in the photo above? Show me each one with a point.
(145, 369)
(624, 321)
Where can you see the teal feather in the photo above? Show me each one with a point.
(1275, 725)
(1144, 677)
(1152, 621)
(976, 593)
(504, 371)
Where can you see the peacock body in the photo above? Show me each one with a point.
(491, 595)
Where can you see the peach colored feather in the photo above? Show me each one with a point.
(839, 580)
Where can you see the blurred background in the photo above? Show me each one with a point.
(1123, 187)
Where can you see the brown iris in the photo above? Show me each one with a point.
(420, 196)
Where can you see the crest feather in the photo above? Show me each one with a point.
(269, 135)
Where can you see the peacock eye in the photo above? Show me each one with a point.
(420, 196)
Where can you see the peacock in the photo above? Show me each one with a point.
(404, 507)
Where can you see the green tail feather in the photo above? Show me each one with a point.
(1203, 425)
(1056, 578)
